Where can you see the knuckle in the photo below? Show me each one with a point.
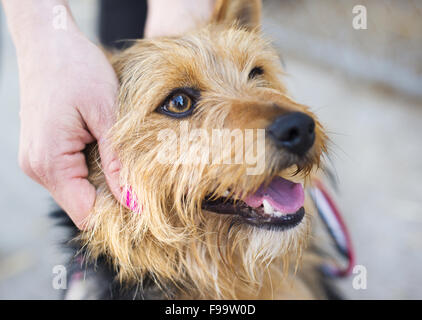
(34, 164)
(35, 158)
(38, 164)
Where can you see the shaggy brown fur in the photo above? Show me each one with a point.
(189, 252)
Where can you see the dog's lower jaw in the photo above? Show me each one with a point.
(239, 261)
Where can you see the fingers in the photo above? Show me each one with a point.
(99, 123)
(76, 196)
(65, 177)
(69, 186)
(65, 174)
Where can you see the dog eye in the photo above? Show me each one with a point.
(180, 103)
(255, 72)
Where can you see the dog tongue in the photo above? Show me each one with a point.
(283, 195)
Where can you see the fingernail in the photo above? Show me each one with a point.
(131, 200)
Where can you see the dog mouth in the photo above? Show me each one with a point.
(276, 206)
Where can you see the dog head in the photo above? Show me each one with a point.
(208, 139)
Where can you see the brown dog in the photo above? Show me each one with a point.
(205, 220)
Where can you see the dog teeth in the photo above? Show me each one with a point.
(226, 193)
(268, 209)
(277, 213)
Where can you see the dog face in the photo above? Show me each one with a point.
(205, 131)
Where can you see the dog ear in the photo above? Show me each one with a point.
(246, 12)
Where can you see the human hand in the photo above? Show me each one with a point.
(68, 91)
(171, 18)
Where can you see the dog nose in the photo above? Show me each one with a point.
(294, 132)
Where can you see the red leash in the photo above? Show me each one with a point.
(337, 229)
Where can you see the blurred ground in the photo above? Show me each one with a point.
(376, 153)
(388, 52)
